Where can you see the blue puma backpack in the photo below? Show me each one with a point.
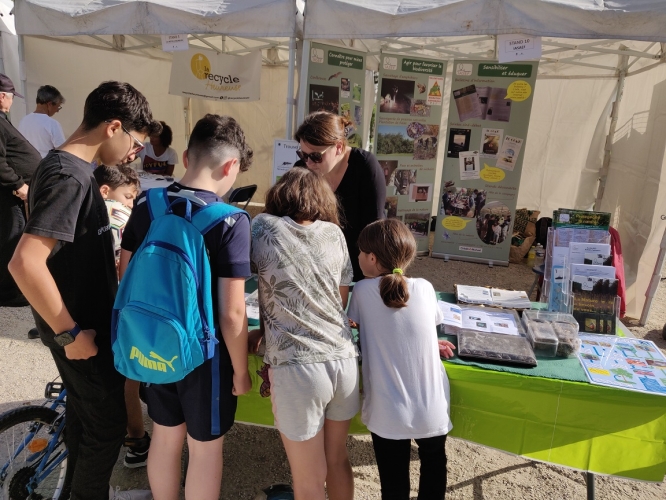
(163, 325)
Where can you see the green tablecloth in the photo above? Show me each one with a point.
(574, 424)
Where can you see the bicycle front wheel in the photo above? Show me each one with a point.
(33, 454)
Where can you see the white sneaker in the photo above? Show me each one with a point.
(129, 494)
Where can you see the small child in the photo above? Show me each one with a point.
(119, 187)
(304, 272)
(405, 388)
(215, 154)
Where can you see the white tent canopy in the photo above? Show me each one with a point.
(626, 19)
(592, 50)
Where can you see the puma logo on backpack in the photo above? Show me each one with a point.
(163, 325)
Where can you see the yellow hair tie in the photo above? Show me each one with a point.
(397, 270)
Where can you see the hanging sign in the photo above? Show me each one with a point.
(409, 112)
(518, 48)
(336, 81)
(174, 43)
(489, 114)
(205, 74)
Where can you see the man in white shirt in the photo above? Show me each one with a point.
(42, 131)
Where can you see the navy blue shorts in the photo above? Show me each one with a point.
(190, 401)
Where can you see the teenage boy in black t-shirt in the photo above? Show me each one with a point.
(215, 154)
(64, 265)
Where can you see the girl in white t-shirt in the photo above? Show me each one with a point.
(405, 388)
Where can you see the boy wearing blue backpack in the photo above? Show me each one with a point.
(152, 311)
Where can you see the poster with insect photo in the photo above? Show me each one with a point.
(407, 138)
(336, 81)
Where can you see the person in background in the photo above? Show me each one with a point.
(405, 388)
(304, 273)
(41, 130)
(18, 162)
(64, 264)
(158, 157)
(354, 175)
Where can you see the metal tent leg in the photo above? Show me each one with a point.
(589, 479)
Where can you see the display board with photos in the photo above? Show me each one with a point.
(336, 80)
(489, 114)
(409, 113)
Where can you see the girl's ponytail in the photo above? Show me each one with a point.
(394, 247)
(393, 289)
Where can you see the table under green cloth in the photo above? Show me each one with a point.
(575, 424)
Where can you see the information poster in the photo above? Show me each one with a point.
(284, 157)
(336, 77)
(409, 113)
(489, 114)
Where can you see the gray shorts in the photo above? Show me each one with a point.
(304, 395)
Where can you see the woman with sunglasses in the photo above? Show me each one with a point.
(355, 175)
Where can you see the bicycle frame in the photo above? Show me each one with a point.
(45, 467)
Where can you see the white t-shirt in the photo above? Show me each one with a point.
(42, 131)
(157, 164)
(405, 387)
(300, 271)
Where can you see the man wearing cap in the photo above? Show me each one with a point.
(40, 128)
(18, 161)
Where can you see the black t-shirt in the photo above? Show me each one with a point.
(228, 243)
(361, 196)
(66, 205)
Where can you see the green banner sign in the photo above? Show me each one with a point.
(421, 66)
(345, 60)
(489, 114)
(409, 113)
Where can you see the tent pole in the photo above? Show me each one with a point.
(603, 173)
(654, 281)
(290, 88)
(23, 72)
(303, 81)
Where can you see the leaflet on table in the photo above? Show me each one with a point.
(252, 307)
(565, 235)
(594, 303)
(578, 250)
(474, 294)
(601, 272)
(598, 259)
(633, 364)
(556, 298)
(476, 319)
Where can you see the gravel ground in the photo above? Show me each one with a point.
(254, 456)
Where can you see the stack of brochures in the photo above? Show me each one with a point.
(482, 319)
(496, 297)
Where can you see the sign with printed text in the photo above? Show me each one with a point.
(174, 43)
(518, 48)
(409, 113)
(205, 74)
(284, 157)
(489, 113)
(336, 83)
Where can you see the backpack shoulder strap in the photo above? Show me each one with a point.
(207, 217)
(158, 202)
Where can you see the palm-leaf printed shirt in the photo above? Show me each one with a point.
(300, 270)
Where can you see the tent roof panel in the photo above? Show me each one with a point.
(619, 19)
(156, 17)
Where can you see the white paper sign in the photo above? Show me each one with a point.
(205, 74)
(469, 165)
(174, 43)
(284, 157)
(518, 48)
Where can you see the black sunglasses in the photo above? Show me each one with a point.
(316, 157)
